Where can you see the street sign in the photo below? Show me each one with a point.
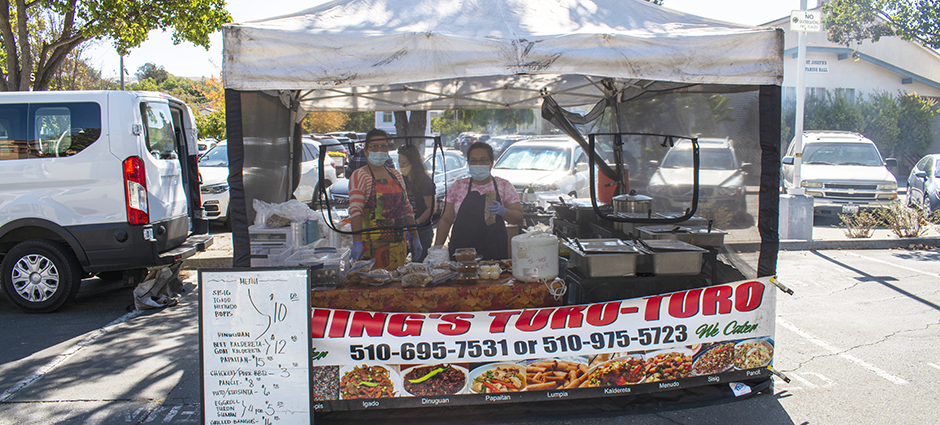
(806, 20)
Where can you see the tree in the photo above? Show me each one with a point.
(324, 122)
(152, 71)
(853, 21)
(38, 35)
(361, 122)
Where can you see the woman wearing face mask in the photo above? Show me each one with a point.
(377, 198)
(420, 192)
(478, 208)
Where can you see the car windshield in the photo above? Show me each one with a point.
(709, 159)
(842, 154)
(216, 157)
(541, 158)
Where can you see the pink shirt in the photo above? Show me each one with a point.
(457, 192)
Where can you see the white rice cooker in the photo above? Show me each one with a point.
(534, 257)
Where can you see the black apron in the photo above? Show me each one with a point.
(470, 229)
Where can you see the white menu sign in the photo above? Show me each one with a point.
(254, 344)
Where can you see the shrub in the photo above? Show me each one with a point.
(905, 222)
(860, 224)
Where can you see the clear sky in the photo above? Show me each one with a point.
(190, 61)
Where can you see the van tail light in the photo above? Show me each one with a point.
(135, 189)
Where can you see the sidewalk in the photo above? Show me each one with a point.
(825, 236)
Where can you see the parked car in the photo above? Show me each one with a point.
(842, 171)
(213, 166)
(93, 182)
(203, 145)
(552, 166)
(721, 177)
(353, 136)
(449, 166)
(464, 140)
(500, 143)
(923, 184)
(340, 149)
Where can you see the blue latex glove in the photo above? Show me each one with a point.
(497, 208)
(356, 250)
(416, 249)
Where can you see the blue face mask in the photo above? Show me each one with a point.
(378, 158)
(479, 172)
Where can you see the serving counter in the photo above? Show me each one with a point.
(501, 294)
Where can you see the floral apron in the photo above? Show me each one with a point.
(385, 207)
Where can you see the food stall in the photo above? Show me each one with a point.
(630, 313)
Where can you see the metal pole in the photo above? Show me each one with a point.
(797, 188)
(122, 72)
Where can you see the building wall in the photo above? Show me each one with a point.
(891, 65)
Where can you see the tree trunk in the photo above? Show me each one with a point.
(415, 125)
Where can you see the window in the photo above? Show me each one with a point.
(48, 130)
(387, 117)
(158, 130)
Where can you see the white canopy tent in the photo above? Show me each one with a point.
(351, 55)
(394, 55)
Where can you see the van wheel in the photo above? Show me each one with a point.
(40, 275)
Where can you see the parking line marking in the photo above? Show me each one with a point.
(828, 347)
(891, 264)
(933, 365)
(172, 413)
(61, 358)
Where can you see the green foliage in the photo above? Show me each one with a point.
(498, 121)
(853, 21)
(360, 122)
(56, 27)
(898, 124)
(211, 125)
(447, 127)
(152, 71)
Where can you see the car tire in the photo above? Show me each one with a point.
(40, 275)
(926, 205)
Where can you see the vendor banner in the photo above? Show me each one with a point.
(694, 337)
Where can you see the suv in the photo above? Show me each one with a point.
(93, 182)
(721, 177)
(842, 171)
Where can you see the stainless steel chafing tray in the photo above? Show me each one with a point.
(692, 221)
(669, 258)
(604, 257)
(700, 236)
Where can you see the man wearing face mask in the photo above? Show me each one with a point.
(478, 208)
(377, 198)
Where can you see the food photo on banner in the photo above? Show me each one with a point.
(717, 334)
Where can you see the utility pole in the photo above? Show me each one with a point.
(122, 71)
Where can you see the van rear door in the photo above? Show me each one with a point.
(168, 203)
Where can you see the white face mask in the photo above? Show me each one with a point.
(378, 158)
(479, 172)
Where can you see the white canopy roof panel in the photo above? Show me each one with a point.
(352, 55)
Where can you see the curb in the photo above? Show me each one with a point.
(193, 263)
(798, 245)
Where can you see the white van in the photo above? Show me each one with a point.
(93, 182)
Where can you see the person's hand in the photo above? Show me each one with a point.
(416, 249)
(357, 248)
(497, 208)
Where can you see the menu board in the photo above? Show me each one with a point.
(254, 345)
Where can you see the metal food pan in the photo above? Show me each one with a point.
(607, 264)
(695, 235)
(673, 258)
